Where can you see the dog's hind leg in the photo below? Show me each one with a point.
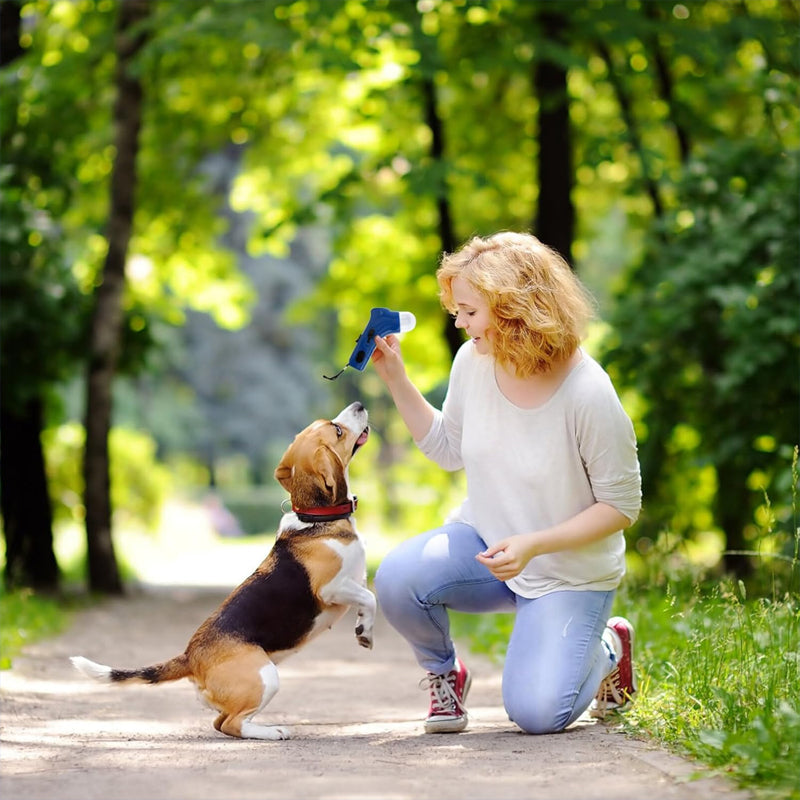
(252, 730)
(240, 689)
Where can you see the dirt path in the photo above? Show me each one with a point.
(355, 715)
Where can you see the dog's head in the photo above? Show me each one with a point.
(314, 467)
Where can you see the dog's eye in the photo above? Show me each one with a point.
(338, 430)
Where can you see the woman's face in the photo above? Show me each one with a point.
(473, 314)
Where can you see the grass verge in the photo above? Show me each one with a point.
(721, 683)
(719, 678)
(26, 616)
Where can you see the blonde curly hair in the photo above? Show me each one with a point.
(539, 308)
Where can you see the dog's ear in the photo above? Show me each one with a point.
(329, 469)
(283, 474)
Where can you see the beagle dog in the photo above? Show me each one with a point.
(314, 572)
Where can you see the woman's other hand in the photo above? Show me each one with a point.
(507, 558)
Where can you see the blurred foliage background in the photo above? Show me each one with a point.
(297, 164)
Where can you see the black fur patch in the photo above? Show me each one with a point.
(151, 674)
(275, 611)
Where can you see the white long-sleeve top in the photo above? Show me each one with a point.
(529, 469)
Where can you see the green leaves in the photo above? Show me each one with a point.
(324, 107)
(708, 322)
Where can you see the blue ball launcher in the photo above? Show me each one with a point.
(382, 322)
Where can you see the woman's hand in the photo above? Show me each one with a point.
(387, 358)
(507, 558)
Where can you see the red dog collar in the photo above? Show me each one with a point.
(326, 513)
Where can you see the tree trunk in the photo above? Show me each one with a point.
(734, 510)
(107, 319)
(555, 214)
(27, 513)
(446, 233)
(24, 501)
(10, 48)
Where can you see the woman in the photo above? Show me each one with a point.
(552, 481)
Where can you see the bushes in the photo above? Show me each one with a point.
(139, 483)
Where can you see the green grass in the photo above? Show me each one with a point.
(721, 683)
(719, 677)
(25, 617)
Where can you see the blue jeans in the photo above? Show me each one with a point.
(555, 659)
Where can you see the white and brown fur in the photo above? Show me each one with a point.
(314, 572)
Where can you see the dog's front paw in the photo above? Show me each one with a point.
(364, 637)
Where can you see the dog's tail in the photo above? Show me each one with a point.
(172, 670)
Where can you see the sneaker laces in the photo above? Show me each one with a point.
(444, 698)
(610, 691)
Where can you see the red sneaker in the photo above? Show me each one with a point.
(619, 686)
(448, 693)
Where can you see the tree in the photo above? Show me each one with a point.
(707, 332)
(55, 143)
(555, 212)
(41, 312)
(399, 130)
(107, 317)
(704, 267)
